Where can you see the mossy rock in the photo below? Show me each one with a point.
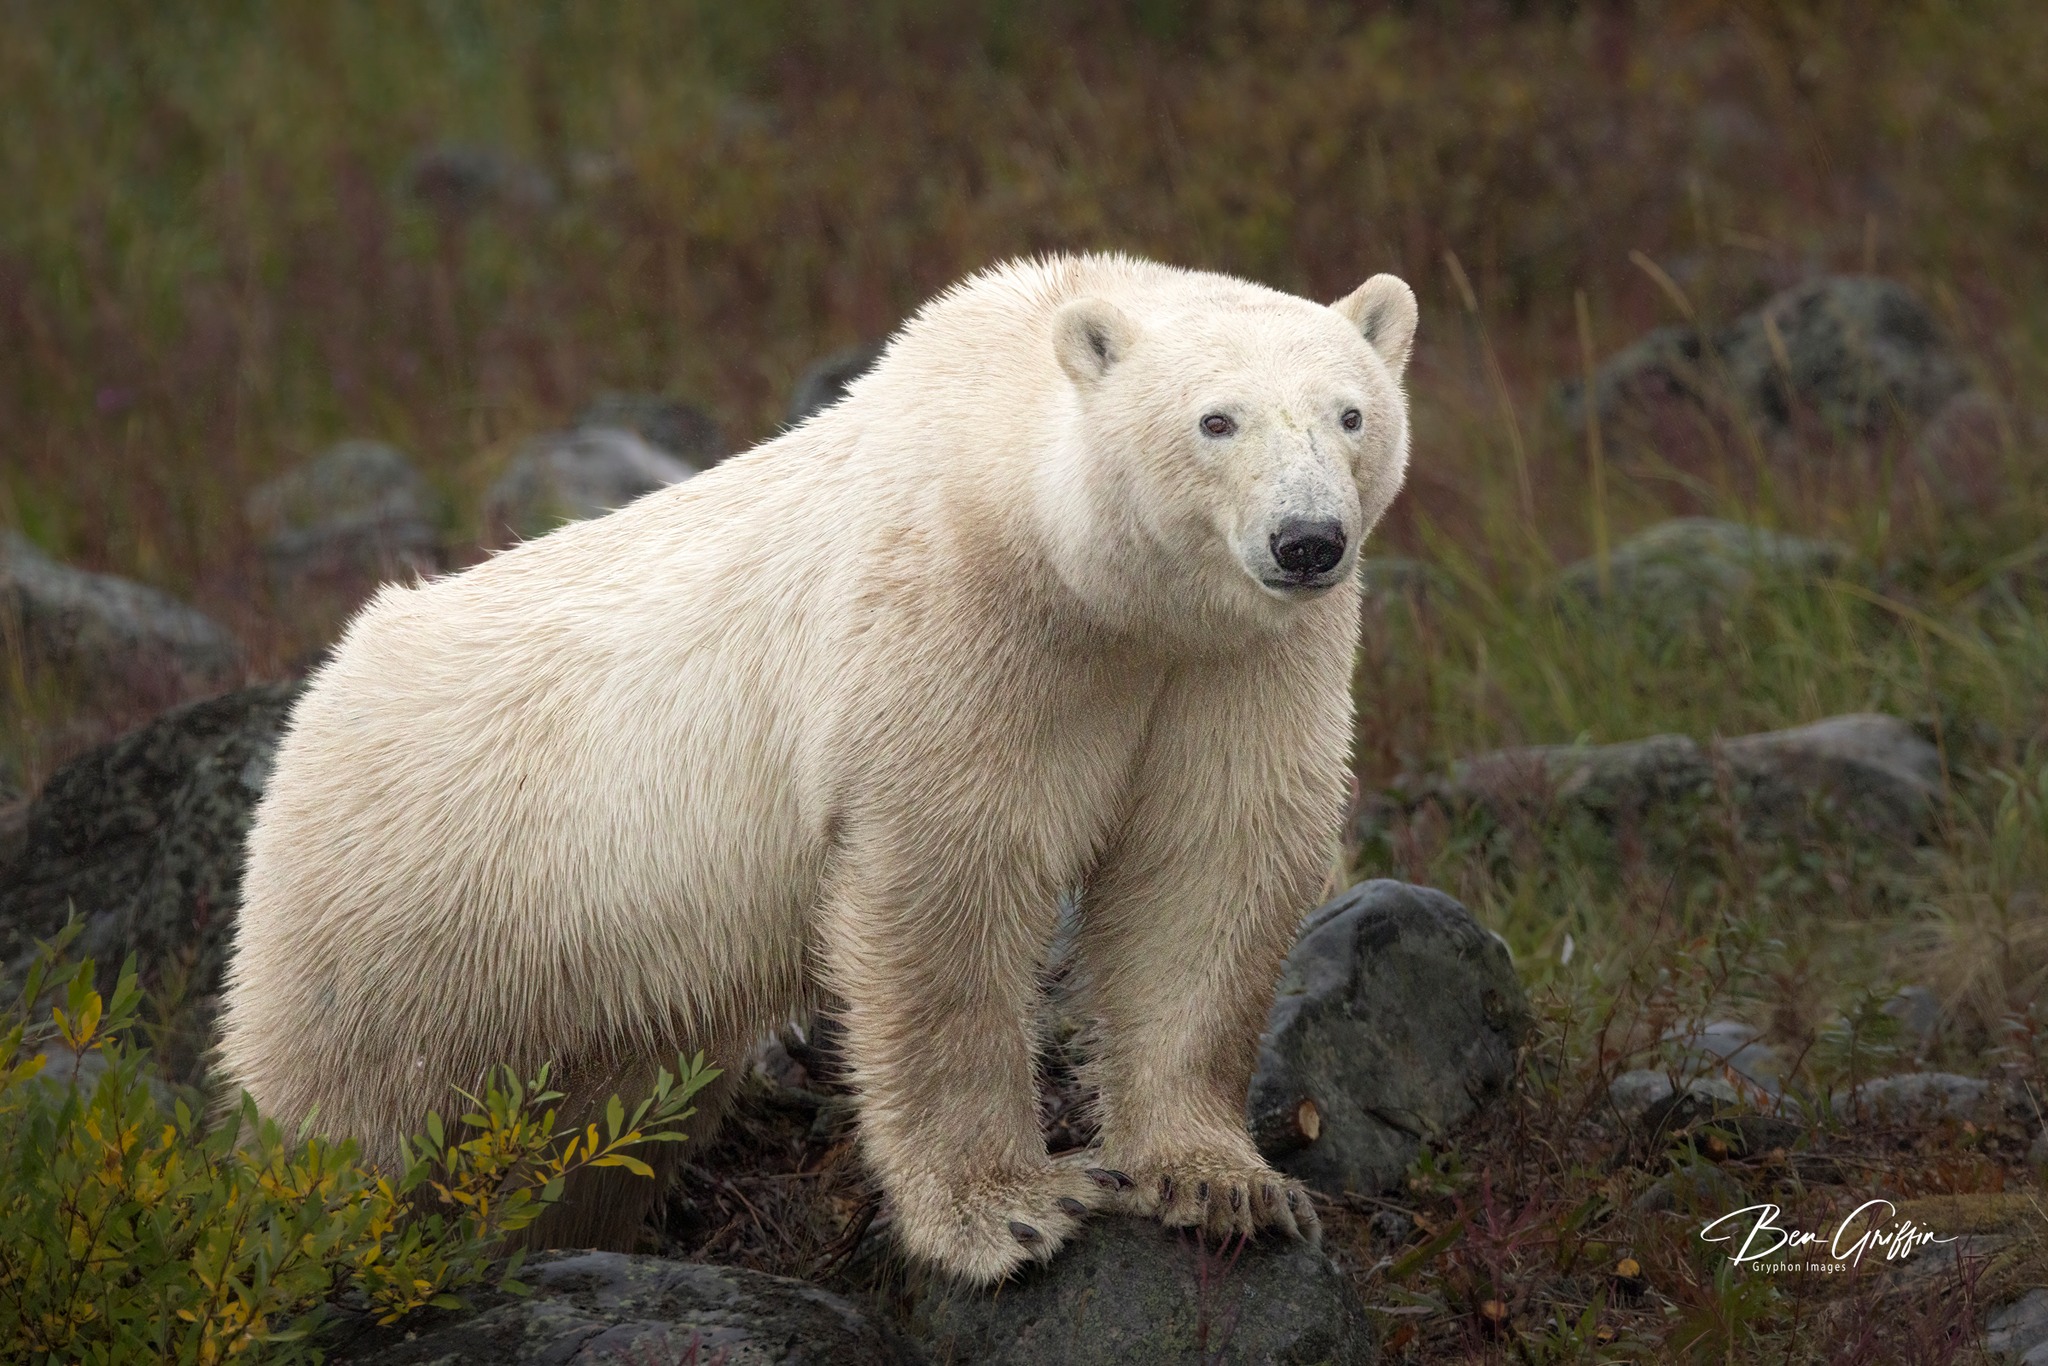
(142, 838)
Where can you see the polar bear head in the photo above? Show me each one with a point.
(1245, 441)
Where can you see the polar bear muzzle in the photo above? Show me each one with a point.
(1306, 552)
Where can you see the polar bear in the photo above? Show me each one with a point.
(1058, 597)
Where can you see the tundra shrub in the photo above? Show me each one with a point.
(138, 1233)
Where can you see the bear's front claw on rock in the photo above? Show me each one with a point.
(1023, 1232)
(1221, 1196)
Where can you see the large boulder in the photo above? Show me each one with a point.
(106, 638)
(569, 476)
(1128, 1291)
(357, 513)
(826, 382)
(671, 426)
(1864, 774)
(1857, 355)
(591, 1307)
(1398, 1015)
(1676, 574)
(142, 840)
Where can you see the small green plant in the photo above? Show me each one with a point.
(141, 1235)
(1434, 1173)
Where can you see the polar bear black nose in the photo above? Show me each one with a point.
(1307, 548)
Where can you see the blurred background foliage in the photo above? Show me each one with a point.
(218, 250)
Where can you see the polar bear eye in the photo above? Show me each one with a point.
(1216, 424)
(1352, 419)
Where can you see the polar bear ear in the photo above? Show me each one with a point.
(1383, 311)
(1090, 336)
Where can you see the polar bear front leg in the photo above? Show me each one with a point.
(938, 961)
(1184, 927)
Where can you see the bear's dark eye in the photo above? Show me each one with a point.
(1352, 419)
(1216, 424)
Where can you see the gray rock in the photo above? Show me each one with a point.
(671, 426)
(1678, 573)
(358, 511)
(1128, 1291)
(1635, 1092)
(1922, 1096)
(1860, 353)
(1919, 1013)
(1749, 1118)
(1655, 383)
(771, 1061)
(1871, 774)
(1857, 354)
(1392, 1227)
(1628, 781)
(1398, 1014)
(1874, 771)
(570, 476)
(105, 637)
(826, 382)
(143, 838)
(461, 178)
(1730, 1046)
(591, 1307)
(2018, 1332)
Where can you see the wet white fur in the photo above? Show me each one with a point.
(839, 719)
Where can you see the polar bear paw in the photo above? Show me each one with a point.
(985, 1229)
(1216, 1193)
